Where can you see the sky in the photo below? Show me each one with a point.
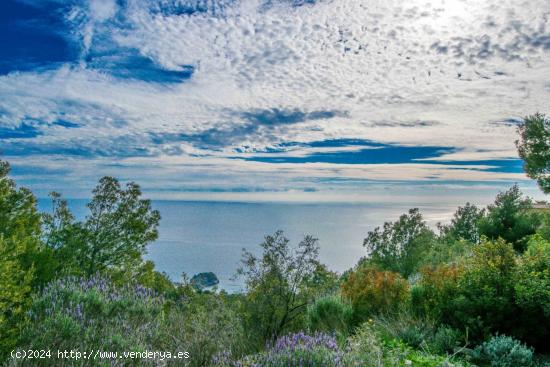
(286, 100)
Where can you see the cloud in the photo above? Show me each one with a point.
(313, 84)
(248, 125)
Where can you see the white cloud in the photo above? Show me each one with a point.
(464, 65)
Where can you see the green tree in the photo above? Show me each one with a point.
(510, 218)
(15, 290)
(280, 284)
(113, 236)
(534, 148)
(464, 224)
(400, 246)
(24, 262)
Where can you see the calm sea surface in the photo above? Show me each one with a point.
(209, 236)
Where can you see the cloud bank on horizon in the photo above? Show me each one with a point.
(271, 99)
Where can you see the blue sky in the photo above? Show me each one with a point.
(320, 100)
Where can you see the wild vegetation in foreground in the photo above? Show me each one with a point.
(475, 292)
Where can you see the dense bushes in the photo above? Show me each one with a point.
(331, 315)
(373, 346)
(494, 290)
(372, 291)
(94, 314)
(433, 295)
(532, 293)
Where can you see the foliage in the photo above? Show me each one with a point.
(510, 218)
(147, 276)
(297, 350)
(433, 296)
(532, 284)
(114, 234)
(366, 346)
(24, 262)
(447, 251)
(504, 351)
(414, 331)
(446, 340)
(369, 347)
(419, 333)
(15, 288)
(372, 291)
(204, 326)
(331, 315)
(532, 293)
(92, 314)
(477, 296)
(400, 246)
(464, 224)
(485, 303)
(279, 285)
(294, 350)
(534, 148)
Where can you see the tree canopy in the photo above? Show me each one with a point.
(534, 148)
(280, 283)
(510, 218)
(113, 236)
(399, 246)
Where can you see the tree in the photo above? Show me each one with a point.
(24, 262)
(279, 284)
(534, 148)
(464, 224)
(510, 218)
(400, 246)
(113, 236)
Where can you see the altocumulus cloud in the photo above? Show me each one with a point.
(320, 97)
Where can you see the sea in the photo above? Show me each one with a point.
(208, 236)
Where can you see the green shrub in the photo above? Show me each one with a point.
(446, 340)
(403, 326)
(205, 326)
(365, 347)
(92, 314)
(371, 347)
(477, 295)
(504, 351)
(95, 314)
(330, 314)
(485, 303)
